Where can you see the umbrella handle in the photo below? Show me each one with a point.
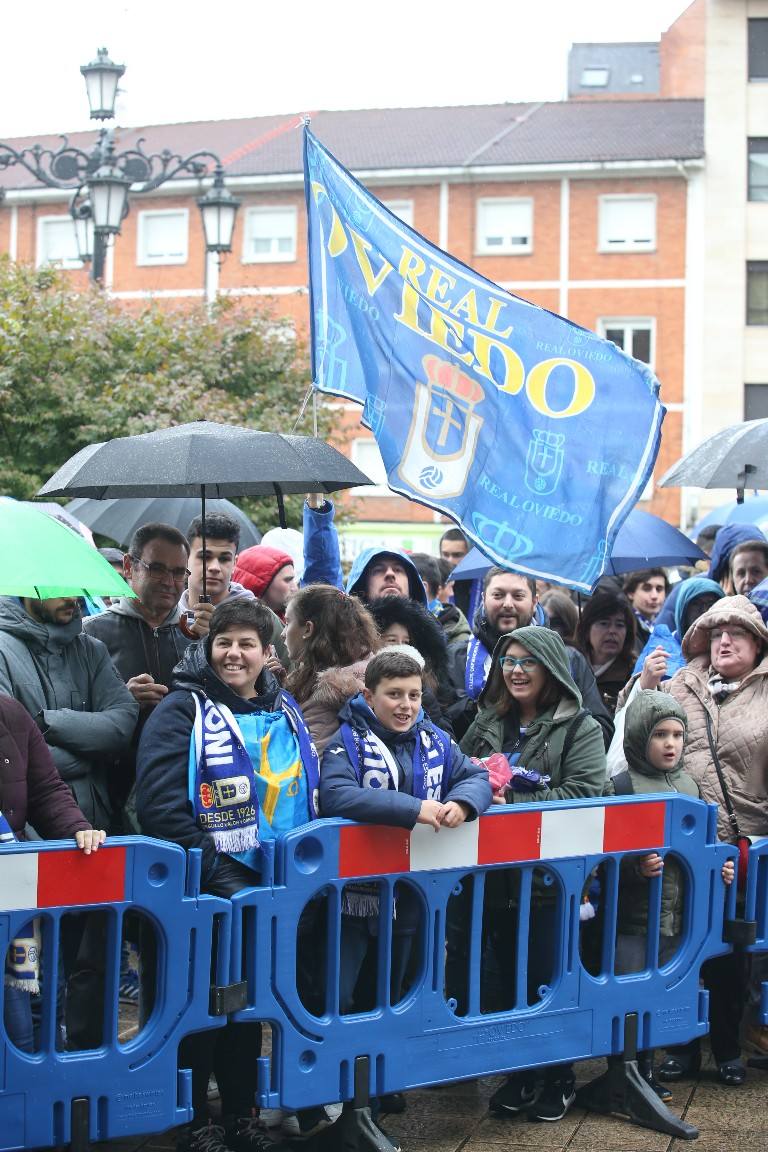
(280, 506)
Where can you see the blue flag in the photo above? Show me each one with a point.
(533, 434)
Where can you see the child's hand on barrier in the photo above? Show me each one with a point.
(455, 812)
(430, 812)
(88, 839)
(651, 865)
(728, 872)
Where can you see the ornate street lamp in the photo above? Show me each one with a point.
(108, 175)
(218, 208)
(101, 80)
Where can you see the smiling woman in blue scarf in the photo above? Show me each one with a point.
(226, 762)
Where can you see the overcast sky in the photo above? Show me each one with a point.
(199, 61)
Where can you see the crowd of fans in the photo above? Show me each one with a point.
(401, 697)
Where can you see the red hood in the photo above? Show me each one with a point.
(256, 567)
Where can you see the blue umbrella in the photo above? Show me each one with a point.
(643, 541)
(752, 511)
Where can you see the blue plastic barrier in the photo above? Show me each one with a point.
(421, 1040)
(133, 1087)
(118, 1089)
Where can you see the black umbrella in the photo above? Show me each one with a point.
(119, 519)
(206, 460)
(735, 457)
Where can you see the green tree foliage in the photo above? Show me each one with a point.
(77, 367)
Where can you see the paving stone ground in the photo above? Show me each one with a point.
(455, 1118)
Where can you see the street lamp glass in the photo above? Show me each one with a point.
(108, 190)
(101, 80)
(218, 208)
(83, 220)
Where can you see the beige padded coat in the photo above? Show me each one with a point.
(739, 724)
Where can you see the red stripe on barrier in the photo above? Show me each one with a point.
(630, 827)
(507, 839)
(73, 878)
(370, 850)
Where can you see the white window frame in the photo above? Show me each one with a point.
(357, 454)
(628, 245)
(41, 260)
(482, 248)
(143, 258)
(403, 209)
(271, 257)
(630, 323)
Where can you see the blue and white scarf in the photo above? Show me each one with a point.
(22, 960)
(222, 783)
(476, 672)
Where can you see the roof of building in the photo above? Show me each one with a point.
(476, 136)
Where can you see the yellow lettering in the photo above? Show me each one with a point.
(513, 372)
(411, 266)
(449, 334)
(494, 307)
(337, 241)
(468, 306)
(583, 387)
(362, 248)
(439, 283)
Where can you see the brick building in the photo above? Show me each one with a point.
(591, 208)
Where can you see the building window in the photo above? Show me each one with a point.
(627, 224)
(403, 209)
(504, 227)
(162, 237)
(757, 168)
(757, 35)
(366, 455)
(757, 292)
(755, 401)
(635, 337)
(270, 235)
(595, 77)
(56, 242)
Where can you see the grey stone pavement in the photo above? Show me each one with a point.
(456, 1119)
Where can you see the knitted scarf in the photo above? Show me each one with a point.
(475, 674)
(22, 960)
(223, 787)
(719, 688)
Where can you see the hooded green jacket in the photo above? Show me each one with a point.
(582, 771)
(646, 710)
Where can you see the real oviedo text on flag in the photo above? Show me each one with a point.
(534, 434)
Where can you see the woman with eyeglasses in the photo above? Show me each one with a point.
(531, 712)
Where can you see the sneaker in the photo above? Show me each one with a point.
(515, 1095)
(307, 1122)
(272, 1118)
(245, 1134)
(206, 1138)
(555, 1099)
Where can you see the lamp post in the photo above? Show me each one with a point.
(102, 179)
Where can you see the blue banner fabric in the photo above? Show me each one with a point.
(533, 434)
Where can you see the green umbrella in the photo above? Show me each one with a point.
(40, 557)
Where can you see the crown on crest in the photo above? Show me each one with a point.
(449, 378)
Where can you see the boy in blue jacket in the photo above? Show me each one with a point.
(388, 764)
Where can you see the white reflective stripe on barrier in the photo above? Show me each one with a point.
(506, 837)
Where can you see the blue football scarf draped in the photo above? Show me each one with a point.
(22, 960)
(475, 674)
(222, 776)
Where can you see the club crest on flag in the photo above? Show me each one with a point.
(444, 430)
